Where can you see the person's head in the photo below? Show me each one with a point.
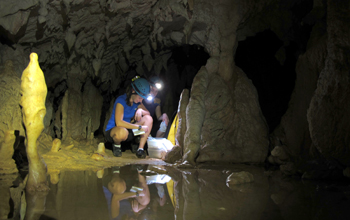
(139, 90)
(117, 185)
(156, 85)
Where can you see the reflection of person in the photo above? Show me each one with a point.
(119, 126)
(159, 208)
(153, 107)
(123, 203)
(161, 194)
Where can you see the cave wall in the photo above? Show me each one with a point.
(293, 130)
(329, 107)
(315, 127)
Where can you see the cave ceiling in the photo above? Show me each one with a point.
(96, 38)
(103, 39)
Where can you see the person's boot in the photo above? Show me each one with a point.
(134, 148)
(116, 169)
(141, 153)
(135, 144)
(137, 139)
(117, 151)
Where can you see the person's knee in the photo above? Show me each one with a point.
(120, 134)
(148, 119)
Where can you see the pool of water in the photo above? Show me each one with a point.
(165, 192)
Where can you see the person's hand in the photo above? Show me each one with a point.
(145, 128)
(138, 114)
(165, 119)
(141, 193)
(135, 205)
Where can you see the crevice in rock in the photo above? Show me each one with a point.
(273, 76)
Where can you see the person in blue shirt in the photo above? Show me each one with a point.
(126, 192)
(126, 116)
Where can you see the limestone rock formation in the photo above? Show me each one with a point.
(239, 178)
(33, 90)
(195, 113)
(181, 129)
(7, 164)
(315, 125)
(10, 111)
(330, 105)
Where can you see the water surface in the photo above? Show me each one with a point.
(165, 192)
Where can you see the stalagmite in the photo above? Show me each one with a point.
(181, 130)
(101, 148)
(100, 154)
(56, 145)
(195, 113)
(33, 90)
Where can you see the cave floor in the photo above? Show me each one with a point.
(84, 155)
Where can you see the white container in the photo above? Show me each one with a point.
(157, 147)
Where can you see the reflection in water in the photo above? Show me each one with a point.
(35, 204)
(161, 192)
(127, 191)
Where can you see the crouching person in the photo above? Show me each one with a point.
(126, 116)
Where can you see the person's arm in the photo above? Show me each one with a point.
(115, 207)
(158, 113)
(119, 114)
(146, 197)
(162, 117)
(116, 198)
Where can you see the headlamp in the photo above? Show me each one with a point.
(158, 85)
(135, 78)
(149, 97)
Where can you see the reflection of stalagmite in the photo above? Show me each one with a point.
(33, 90)
(55, 177)
(190, 192)
(35, 205)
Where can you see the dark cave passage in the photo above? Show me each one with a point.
(274, 80)
(183, 66)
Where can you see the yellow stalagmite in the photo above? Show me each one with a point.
(34, 90)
